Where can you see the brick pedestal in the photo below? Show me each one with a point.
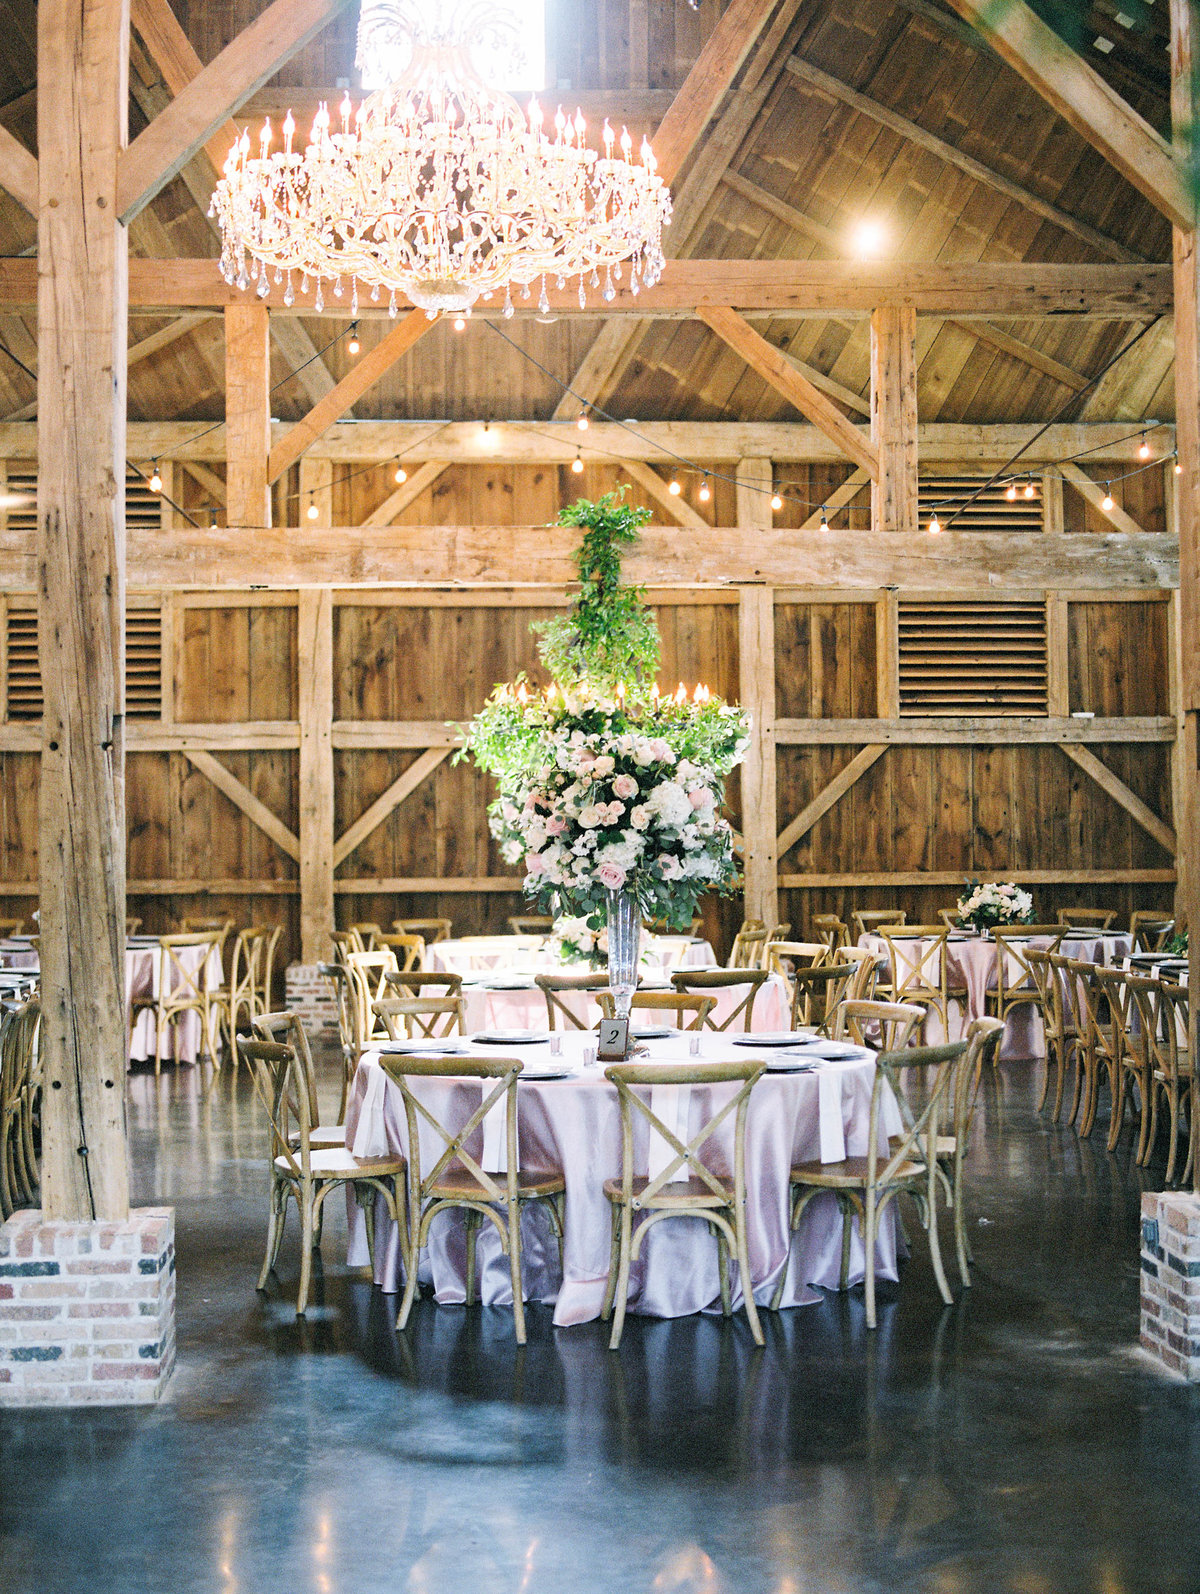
(87, 1310)
(1171, 1280)
(309, 994)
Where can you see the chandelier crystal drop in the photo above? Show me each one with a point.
(438, 187)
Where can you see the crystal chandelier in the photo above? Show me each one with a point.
(438, 187)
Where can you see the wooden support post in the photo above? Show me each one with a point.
(894, 420)
(83, 51)
(887, 656)
(1052, 503)
(247, 414)
(315, 651)
(1057, 680)
(756, 689)
(755, 479)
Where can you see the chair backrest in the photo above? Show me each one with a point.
(868, 920)
(409, 949)
(18, 1056)
(1013, 970)
(345, 942)
(245, 961)
(918, 965)
(817, 992)
(708, 981)
(343, 995)
(1087, 918)
(283, 1087)
(829, 928)
(918, 1141)
(430, 930)
(1149, 929)
(287, 1029)
(892, 1022)
(267, 971)
(749, 946)
(783, 957)
(1061, 1007)
(866, 971)
(1177, 1020)
(949, 917)
(687, 1162)
(537, 924)
(132, 925)
(683, 1004)
(407, 983)
(17, 926)
(1093, 1010)
(367, 971)
(555, 986)
(418, 1017)
(368, 933)
(178, 986)
(1149, 1036)
(452, 1153)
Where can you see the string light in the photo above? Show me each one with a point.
(1106, 502)
(582, 422)
(1143, 448)
(353, 346)
(1010, 492)
(674, 488)
(577, 463)
(156, 480)
(705, 492)
(401, 476)
(776, 501)
(1178, 468)
(312, 510)
(935, 524)
(212, 519)
(824, 521)
(1030, 490)
(460, 323)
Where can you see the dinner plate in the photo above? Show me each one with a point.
(429, 1048)
(784, 1064)
(786, 1037)
(834, 1051)
(653, 1032)
(511, 1037)
(509, 983)
(545, 1073)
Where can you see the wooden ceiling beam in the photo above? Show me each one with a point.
(18, 171)
(407, 493)
(777, 370)
(1035, 359)
(194, 115)
(170, 49)
(353, 385)
(676, 505)
(1085, 102)
(912, 132)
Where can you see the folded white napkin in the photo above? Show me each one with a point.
(832, 1129)
(370, 1135)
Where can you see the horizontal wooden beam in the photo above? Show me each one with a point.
(429, 885)
(211, 557)
(982, 731)
(781, 288)
(193, 116)
(177, 888)
(956, 877)
(966, 446)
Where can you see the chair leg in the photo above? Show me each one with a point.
(472, 1225)
(869, 1275)
(1060, 1058)
(1119, 1089)
(277, 1216)
(960, 1228)
(1046, 1075)
(614, 1262)
(847, 1222)
(723, 1268)
(366, 1200)
(743, 1257)
(412, 1261)
(514, 1267)
(622, 1277)
(1172, 1130)
(935, 1247)
(306, 1247)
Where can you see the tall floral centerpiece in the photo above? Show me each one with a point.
(610, 790)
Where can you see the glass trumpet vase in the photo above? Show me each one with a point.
(624, 934)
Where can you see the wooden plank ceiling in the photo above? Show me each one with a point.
(888, 111)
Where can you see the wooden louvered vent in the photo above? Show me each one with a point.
(962, 658)
(143, 664)
(952, 499)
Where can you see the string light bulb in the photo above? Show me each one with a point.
(312, 510)
(156, 480)
(1143, 448)
(1178, 468)
(935, 524)
(460, 323)
(1106, 502)
(582, 422)
(824, 520)
(705, 492)
(776, 501)
(354, 345)
(674, 488)
(1030, 489)
(1010, 492)
(577, 463)
(401, 476)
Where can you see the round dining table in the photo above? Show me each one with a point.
(573, 1123)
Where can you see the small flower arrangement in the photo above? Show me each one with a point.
(985, 906)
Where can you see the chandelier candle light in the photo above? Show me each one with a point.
(438, 188)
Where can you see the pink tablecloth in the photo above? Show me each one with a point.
(490, 1007)
(971, 962)
(574, 1124)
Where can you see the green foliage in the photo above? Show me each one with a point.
(1177, 945)
(609, 640)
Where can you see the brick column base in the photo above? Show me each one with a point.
(87, 1310)
(1171, 1280)
(309, 994)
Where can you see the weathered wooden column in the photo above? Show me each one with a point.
(756, 690)
(894, 419)
(1185, 104)
(247, 414)
(315, 653)
(83, 52)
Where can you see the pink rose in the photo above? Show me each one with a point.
(699, 798)
(625, 786)
(555, 826)
(611, 876)
(534, 863)
(604, 766)
(639, 817)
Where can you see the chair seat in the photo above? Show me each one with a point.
(849, 1174)
(325, 1137)
(338, 1163)
(456, 1183)
(691, 1191)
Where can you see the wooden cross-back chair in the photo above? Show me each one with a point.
(866, 971)
(883, 1026)
(1149, 929)
(688, 1185)
(554, 987)
(430, 930)
(343, 995)
(408, 983)
(182, 990)
(287, 1029)
(20, 1091)
(829, 928)
(1101, 1033)
(132, 924)
(1145, 1053)
(816, 993)
(1016, 983)
(345, 942)
(368, 932)
(241, 996)
(1064, 1025)
(538, 925)
(867, 921)
(368, 984)
(1179, 1086)
(707, 982)
(408, 949)
(1087, 918)
(918, 967)
(865, 1185)
(455, 1179)
(301, 1172)
(687, 1005)
(984, 1036)
(422, 1017)
(265, 991)
(15, 927)
(749, 946)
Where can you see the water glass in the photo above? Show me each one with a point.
(589, 1057)
(694, 1040)
(556, 1045)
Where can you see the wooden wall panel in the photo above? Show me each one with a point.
(237, 663)
(1117, 658)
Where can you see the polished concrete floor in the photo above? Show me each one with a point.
(1013, 1441)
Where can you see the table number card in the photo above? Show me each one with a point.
(613, 1045)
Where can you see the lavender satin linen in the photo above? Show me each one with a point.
(574, 1125)
(488, 1008)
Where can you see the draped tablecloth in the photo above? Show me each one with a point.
(141, 979)
(574, 1125)
(971, 962)
(491, 1004)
